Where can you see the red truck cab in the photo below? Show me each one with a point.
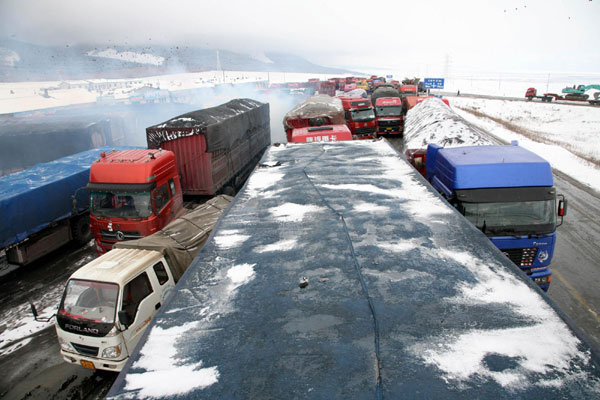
(323, 133)
(388, 114)
(360, 117)
(326, 87)
(133, 193)
(408, 90)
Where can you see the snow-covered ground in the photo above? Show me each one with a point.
(567, 136)
(574, 128)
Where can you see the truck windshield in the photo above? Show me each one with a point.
(121, 204)
(511, 218)
(388, 111)
(90, 301)
(363, 115)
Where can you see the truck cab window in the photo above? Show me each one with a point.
(134, 292)
(161, 197)
(161, 273)
(172, 186)
(121, 204)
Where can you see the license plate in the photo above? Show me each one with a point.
(388, 129)
(87, 364)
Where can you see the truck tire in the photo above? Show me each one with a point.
(229, 191)
(80, 229)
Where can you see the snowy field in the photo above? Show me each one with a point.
(567, 136)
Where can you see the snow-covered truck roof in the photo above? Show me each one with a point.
(338, 272)
(222, 126)
(320, 105)
(432, 121)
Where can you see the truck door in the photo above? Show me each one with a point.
(140, 301)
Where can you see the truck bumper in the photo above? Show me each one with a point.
(92, 362)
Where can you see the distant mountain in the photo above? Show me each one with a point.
(24, 61)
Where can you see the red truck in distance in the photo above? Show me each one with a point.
(408, 90)
(324, 133)
(388, 114)
(360, 117)
(411, 101)
(315, 111)
(326, 87)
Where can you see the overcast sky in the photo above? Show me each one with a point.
(417, 36)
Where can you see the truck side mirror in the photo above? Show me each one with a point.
(124, 318)
(562, 208)
(36, 315)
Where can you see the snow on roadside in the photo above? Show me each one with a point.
(560, 158)
(577, 128)
(433, 122)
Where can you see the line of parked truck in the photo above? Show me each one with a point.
(137, 207)
(366, 116)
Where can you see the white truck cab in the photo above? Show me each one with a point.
(108, 303)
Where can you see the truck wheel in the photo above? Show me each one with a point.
(229, 191)
(80, 229)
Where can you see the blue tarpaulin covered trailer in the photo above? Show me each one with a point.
(33, 199)
(339, 273)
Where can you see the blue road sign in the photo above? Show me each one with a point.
(389, 76)
(434, 83)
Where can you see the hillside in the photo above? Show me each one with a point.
(21, 61)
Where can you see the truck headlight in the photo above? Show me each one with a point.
(111, 352)
(64, 345)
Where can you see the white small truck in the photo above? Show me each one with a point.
(108, 303)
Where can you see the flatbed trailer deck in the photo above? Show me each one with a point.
(338, 272)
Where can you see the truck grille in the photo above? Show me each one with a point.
(523, 258)
(85, 350)
(389, 123)
(112, 236)
(365, 131)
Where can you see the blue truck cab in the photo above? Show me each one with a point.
(508, 193)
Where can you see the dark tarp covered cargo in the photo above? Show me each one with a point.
(25, 142)
(222, 125)
(339, 273)
(32, 199)
(183, 238)
(383, 91)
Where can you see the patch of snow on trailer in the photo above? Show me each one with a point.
(159, 359)
(228, 239)
(292, 212)
(261, 180)
(529, 350)
(240, 274)
(282, 245)
(362, 206)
